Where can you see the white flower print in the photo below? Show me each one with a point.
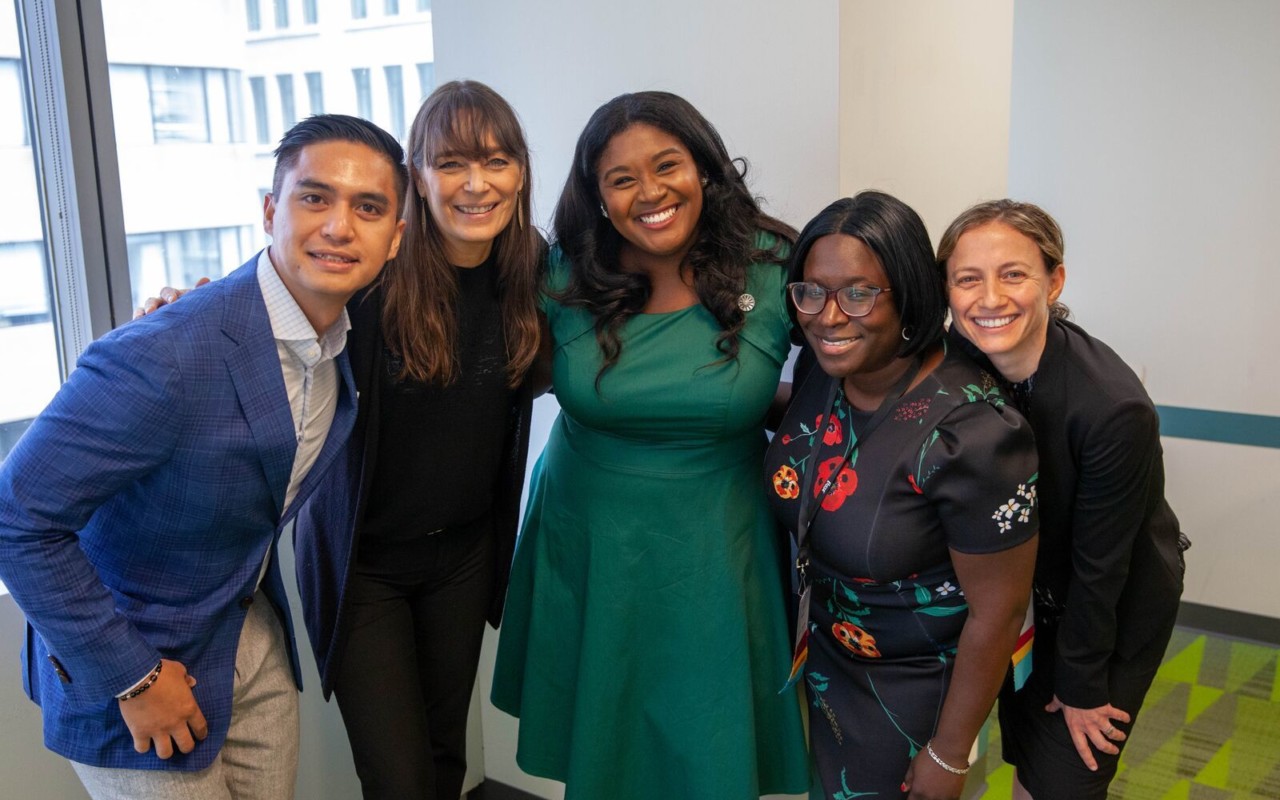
(945, 589)
(1025, 514)
(1009, 508)
(1005, 525)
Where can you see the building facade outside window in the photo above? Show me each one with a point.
(262, 126)
(426, 78)
(282, 14)
(288, 109)
(253, 15)
(178, 104)
(391, 7)
(315, 92)
(310, 14)
(395, 100)
(359, 9)
(364, 92)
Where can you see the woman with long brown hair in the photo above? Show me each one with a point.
(405, 552)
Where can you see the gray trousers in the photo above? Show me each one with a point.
(259, 760)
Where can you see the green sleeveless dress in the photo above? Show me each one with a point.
(645, 643)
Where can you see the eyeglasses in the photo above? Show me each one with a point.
(854, 301)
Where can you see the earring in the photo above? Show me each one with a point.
(519, 212)
(906, 337)
(703, 181)
(603, 211)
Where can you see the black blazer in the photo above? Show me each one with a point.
(1109, 568)
(329, 526)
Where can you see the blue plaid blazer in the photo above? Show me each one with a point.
(136, 512)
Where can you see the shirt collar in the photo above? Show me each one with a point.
(290, 326)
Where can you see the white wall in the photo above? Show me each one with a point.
(1150, 130)
(764, 73)
(924, 102)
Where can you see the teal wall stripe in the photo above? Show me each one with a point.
(1257, 430)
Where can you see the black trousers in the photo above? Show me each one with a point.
(416, 612)
(1039, 744)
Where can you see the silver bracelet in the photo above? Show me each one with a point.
(928, 746)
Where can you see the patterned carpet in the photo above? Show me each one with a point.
(1210, 729)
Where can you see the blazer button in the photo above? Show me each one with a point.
(245, 602)
(57, 667)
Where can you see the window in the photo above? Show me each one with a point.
(359, 10)
(315, 92)
(364, 93)
(424, 5)
(391, 7)
(253, 14)
(178, 111)
(258, 88)
(282, 14)
(13, 121)
(395, 100)
(426, 78)
(310, 14)
(288, 111)
(180, 258)
(28, 338)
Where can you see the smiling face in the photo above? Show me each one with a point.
(650, 186)
(862, 350)
(472, 200)
(333, 225)
(1000, 293)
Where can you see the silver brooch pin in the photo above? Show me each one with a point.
(746, 302)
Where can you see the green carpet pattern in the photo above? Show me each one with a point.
(1210, 728)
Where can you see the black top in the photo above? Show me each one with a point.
(1108, 571)
(462, 425)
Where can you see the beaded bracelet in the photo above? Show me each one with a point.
(938, 760)
(155, 674)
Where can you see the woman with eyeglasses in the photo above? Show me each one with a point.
(1109, 573)
(910, 485)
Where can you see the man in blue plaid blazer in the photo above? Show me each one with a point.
(139, 515)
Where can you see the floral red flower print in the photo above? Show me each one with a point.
(855, 640)
(844, 483)
(786, 483)
(834, 433)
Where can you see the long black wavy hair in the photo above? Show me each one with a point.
(726, 233)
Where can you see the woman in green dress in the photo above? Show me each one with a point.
(645, 639)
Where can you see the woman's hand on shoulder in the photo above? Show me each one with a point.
(166, 296)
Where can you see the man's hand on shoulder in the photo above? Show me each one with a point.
(166, 713)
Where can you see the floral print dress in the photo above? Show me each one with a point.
(951, 467)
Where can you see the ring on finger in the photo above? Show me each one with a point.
(1109, 731)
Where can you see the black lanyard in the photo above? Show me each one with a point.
(810, 504)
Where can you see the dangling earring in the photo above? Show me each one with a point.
(519, 212)
(603, 211)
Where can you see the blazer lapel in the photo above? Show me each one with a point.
(344, 418)
(254, 365)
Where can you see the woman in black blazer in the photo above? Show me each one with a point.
(1109, 571)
